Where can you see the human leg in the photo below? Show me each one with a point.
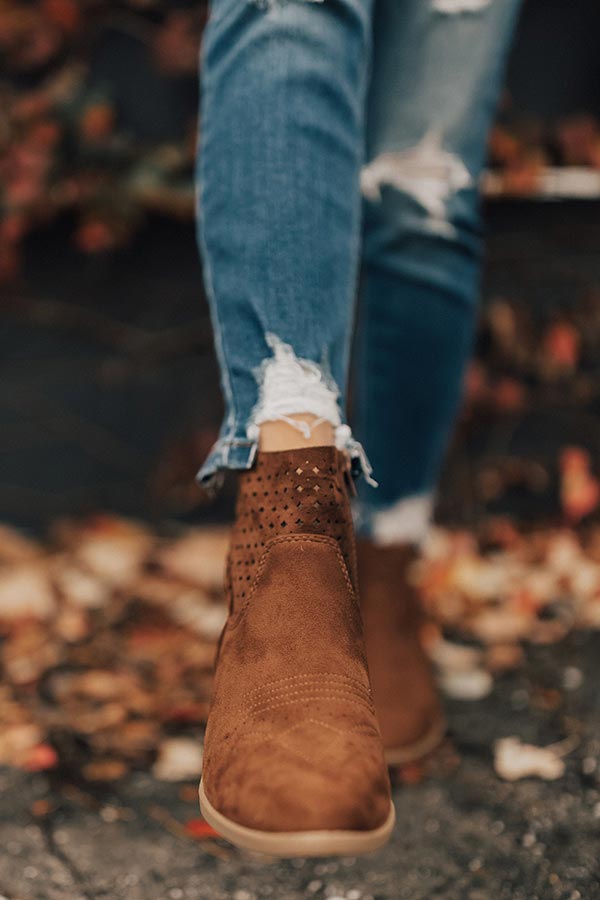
(437, 69)
(293, 755)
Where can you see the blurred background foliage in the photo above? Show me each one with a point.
(98, 104)
(98, 107)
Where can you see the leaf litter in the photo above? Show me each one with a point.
(108, 633)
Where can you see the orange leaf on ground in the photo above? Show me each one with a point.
(200, 830)
(579, 489)
(40, 758)
(561, 345)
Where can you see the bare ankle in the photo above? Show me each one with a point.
(296, 432)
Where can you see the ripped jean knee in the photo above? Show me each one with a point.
(456, 7)
(427, 173)
(273, 4)
(423, 217)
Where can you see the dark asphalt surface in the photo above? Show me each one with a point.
(465, 835)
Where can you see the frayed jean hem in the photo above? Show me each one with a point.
(238, 454)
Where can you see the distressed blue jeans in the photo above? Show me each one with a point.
(338, 138)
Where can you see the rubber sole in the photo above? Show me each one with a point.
(297, 843)
(401, 756)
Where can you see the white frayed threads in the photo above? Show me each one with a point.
(406, 522)
(427, 173)
(355, 450)
(455, 7)
(290, 386)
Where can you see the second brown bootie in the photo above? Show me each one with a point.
(408, 707)
(294, 760)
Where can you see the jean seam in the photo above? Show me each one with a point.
(218, 328)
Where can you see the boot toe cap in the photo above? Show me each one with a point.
(312, 777)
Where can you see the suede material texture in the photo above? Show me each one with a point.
(292, 742)
(402, 679)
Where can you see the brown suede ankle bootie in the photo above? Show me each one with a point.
(293, 760)
(408, 707)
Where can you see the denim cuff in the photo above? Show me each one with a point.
(237, 454)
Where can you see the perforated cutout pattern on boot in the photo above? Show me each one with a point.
(289, 492)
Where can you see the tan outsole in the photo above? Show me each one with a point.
(297, 843)
(400, 756)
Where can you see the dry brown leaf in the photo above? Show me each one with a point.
(16, 741)
(179, 759)
(197, 558)
(28, 652)
(26, 591)
(473, 684)
(113, 549)
(15, 547)
(105, 770)
(79, 587)
(514, 759)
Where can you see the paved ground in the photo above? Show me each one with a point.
(464, 836)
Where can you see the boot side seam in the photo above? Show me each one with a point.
(327, 692)
(308, 679)
(248, 721)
